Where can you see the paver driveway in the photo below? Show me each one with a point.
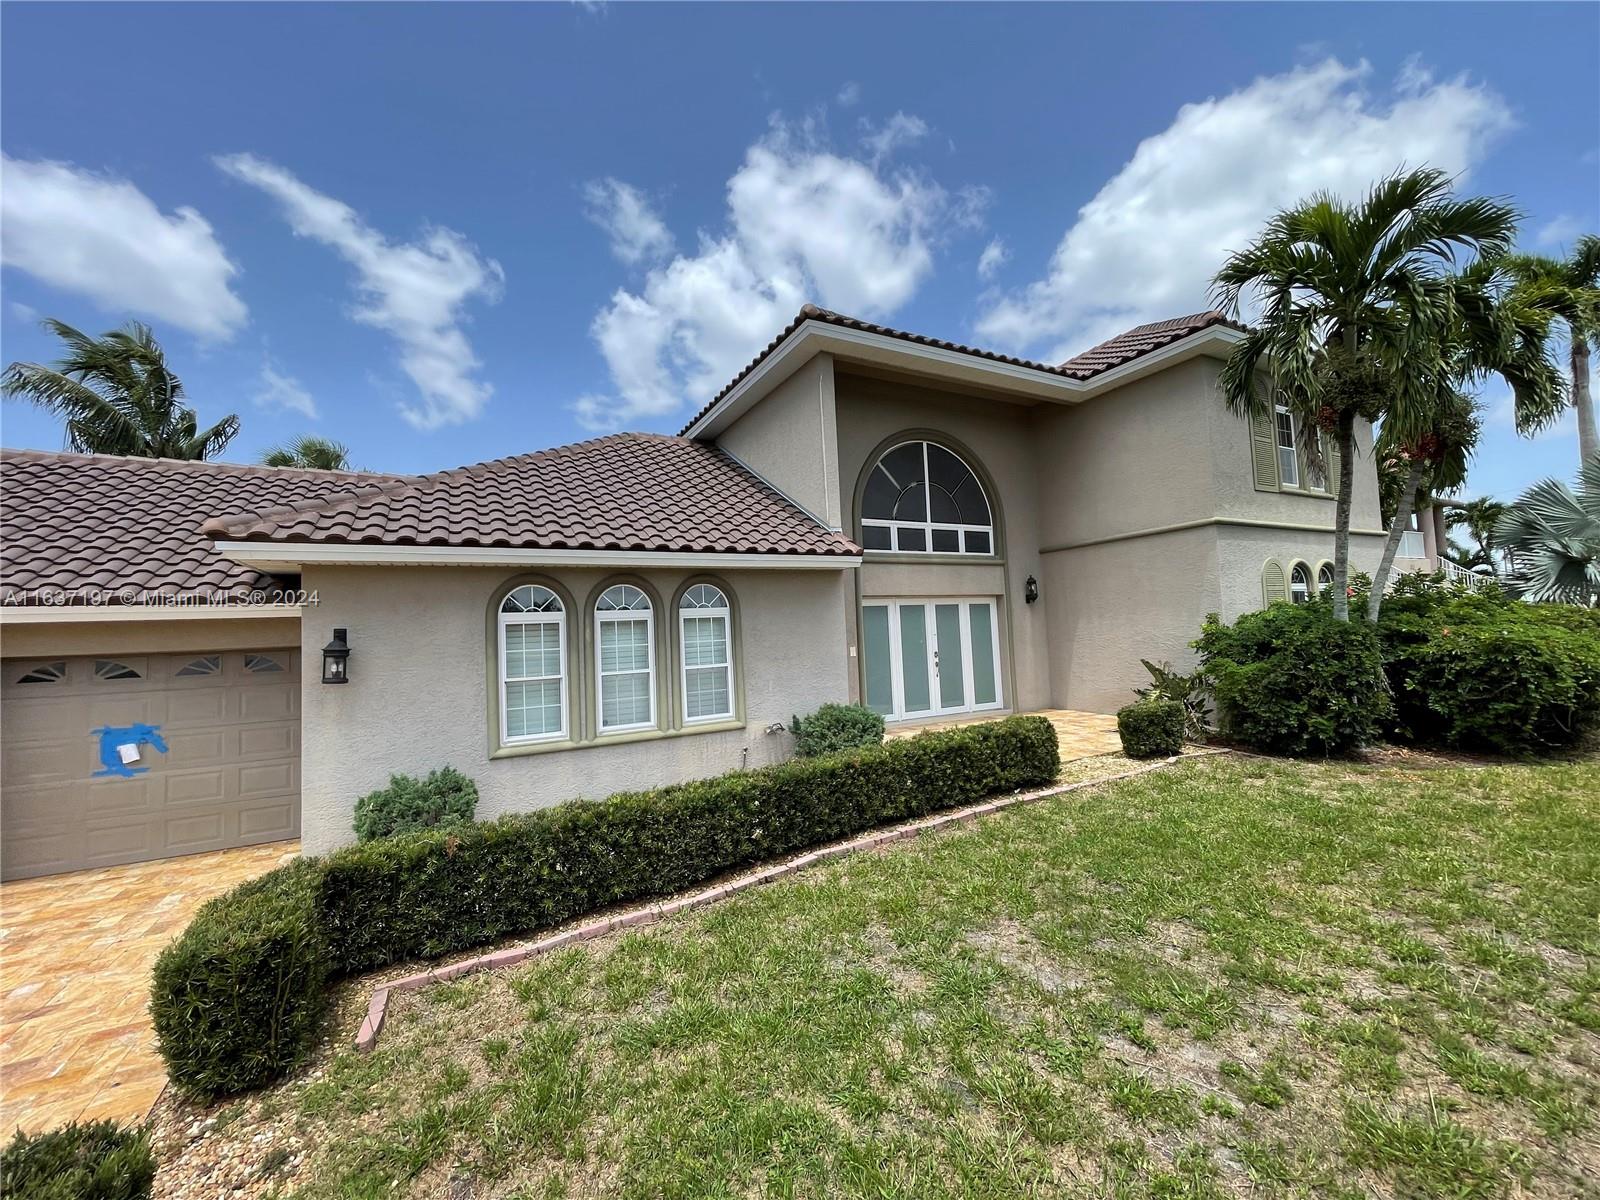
(75, 958)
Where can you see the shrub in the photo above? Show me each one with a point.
(97, 1160)
(1482, 673)
(1292, 680)
(835, 727)
(445, 797)
(1151, 728)
(238, 998)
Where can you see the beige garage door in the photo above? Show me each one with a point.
(118, 760)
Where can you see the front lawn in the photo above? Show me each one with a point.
(1231, 977)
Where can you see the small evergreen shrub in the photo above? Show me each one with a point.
(1292, 680)
(238, 998)
(836, 727)
(1479, 672)
(98, 1160)
(1151, 728)
(445, 797)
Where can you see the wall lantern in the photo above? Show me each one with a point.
(336, 659)
(1030, 590)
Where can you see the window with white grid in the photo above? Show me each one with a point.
(624, 638)
(704, 624)
(533, 665)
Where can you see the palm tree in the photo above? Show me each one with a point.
(1551, 535)
(1569, 289)
(117, 396)
(1361, 292)
(1478, 517)
(308, 450)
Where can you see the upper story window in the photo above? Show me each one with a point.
(624, 638)
(922, 498)
(1288, 456)
(533, 665)
(704, 624)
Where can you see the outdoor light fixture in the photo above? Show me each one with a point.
(335, 659)
(1030, 590)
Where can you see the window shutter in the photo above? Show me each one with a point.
(1274, 584)
(1264, 451)
(1330, 443)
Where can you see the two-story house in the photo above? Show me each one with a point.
(862, 514)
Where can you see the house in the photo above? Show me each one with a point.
(862, 514)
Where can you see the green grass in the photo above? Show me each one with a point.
(1234, 977)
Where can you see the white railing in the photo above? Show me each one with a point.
(1472, 580)
(1411, 545)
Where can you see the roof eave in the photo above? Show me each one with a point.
(279, 555)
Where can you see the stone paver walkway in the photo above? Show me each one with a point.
(1080, 734)
(75, 958)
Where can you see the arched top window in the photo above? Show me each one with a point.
(1324, 576)
(531, 598)
(1300, 583)
(624, 637)
(706, 640)
(922, 498)
(532, 665)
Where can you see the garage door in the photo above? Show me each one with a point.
(119, 760)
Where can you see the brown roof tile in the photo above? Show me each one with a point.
(629, 491)
(103, 522)
(1141, 340)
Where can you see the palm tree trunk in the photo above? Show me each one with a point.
(1588, 440)
(1402, 518)
(1341, 516)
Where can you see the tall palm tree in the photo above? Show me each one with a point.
(1551, 535)
(117, 396)
(1569, 289)
(1368, 283)
(308, 450)
(1478, 517)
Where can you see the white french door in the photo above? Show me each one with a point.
(930, 658)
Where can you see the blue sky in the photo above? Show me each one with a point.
(441, 233)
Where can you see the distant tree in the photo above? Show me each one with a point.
(116, 395)
(1478, 519)
(1569, 289)
(1551, 536)
(308, 450)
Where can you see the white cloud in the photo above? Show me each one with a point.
(284, 393)
(1560, 232)
(26, 313)
(849, 95)
(413, 291)
(103, 238)
(804, 223)
(637, 233)
(902, 129)
(1146, 246)
(994, 256)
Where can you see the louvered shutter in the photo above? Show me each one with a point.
(1264, 451)
(1274, 584)
(1330, 443)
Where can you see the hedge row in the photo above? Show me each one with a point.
(238, 998)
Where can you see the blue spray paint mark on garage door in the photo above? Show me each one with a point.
(114, 737)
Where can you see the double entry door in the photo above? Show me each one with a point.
(930, 658)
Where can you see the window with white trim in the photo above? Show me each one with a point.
(1324, 576)
(923, 499)
(1300, 583)
(533, 665)
(625, 649)
(706, 637)
(1288, 457)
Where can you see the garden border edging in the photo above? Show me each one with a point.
(648, 914)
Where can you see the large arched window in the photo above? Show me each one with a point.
(533, 665)
(919, 497)
(706, 638)
(625, 644)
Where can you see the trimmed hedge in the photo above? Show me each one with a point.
(239, 996)
(98, 1160)
(444, 797)
(1152, 728)
(836, 727)
(1483, 673)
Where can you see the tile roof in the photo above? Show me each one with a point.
(629, 491)
(1120, 349)
(111, 524)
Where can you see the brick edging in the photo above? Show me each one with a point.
(647, 914)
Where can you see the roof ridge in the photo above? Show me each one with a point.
(21, 453)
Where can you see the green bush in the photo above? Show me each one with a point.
(445, 797)
(1190, 691)
(1152, 728)
(836, 727)
(98, 1160)
(237, 999)
(1482, 673)
(1292, 680)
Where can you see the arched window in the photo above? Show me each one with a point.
(624, 637)
(920, 497)
(533, 665)
(1300, 583)
(1324, 577)
(706, 637)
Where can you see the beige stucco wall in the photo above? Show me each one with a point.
(788, 439)
(419, 689)
(148, 636)
(995, 437)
